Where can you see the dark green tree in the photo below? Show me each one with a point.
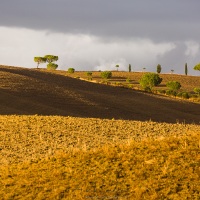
(39, 60)
(89, 75)
(129, 67)
(52, 66)
(149, 80)
(117, 66)
(186, 69)
(51, 58)
(106, 74)
(173, 85)
(197, 67)
(159, 68)
(71, 70)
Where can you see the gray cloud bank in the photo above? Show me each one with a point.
(155, 19)
(97, 34)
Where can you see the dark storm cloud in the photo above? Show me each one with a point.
(141, 32)
(159, 20)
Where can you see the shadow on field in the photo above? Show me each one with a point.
(30, 91)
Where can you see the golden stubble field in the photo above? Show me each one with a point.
(25, 138)
(54, 157)
(63, 138)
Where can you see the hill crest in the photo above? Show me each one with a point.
(30, 91)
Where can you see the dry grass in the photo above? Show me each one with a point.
(25, 138)
(73, 158)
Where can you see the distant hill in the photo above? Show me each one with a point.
(30, 91)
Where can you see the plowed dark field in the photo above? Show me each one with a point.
(31, 91)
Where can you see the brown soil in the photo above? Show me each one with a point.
(30, 91)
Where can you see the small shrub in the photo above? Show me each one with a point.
(89, 75)
(197, 91)
(149, 80)
(52, 66)
(71, 70)
(185, 95)
(173, 85)
(106, 74)
(171, 93)
(128, 80)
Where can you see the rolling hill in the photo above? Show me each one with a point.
(82, 152)
(30, 91)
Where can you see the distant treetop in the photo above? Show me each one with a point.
(39, 60)
(197, 67)
(51, 58)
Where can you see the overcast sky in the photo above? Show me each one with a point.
(98, 34)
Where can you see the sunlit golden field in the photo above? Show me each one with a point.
(25, 138)
(65, 138)
(52, 157)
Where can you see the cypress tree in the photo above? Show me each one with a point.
(159, 68)
(186, 69)
(129, 67)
